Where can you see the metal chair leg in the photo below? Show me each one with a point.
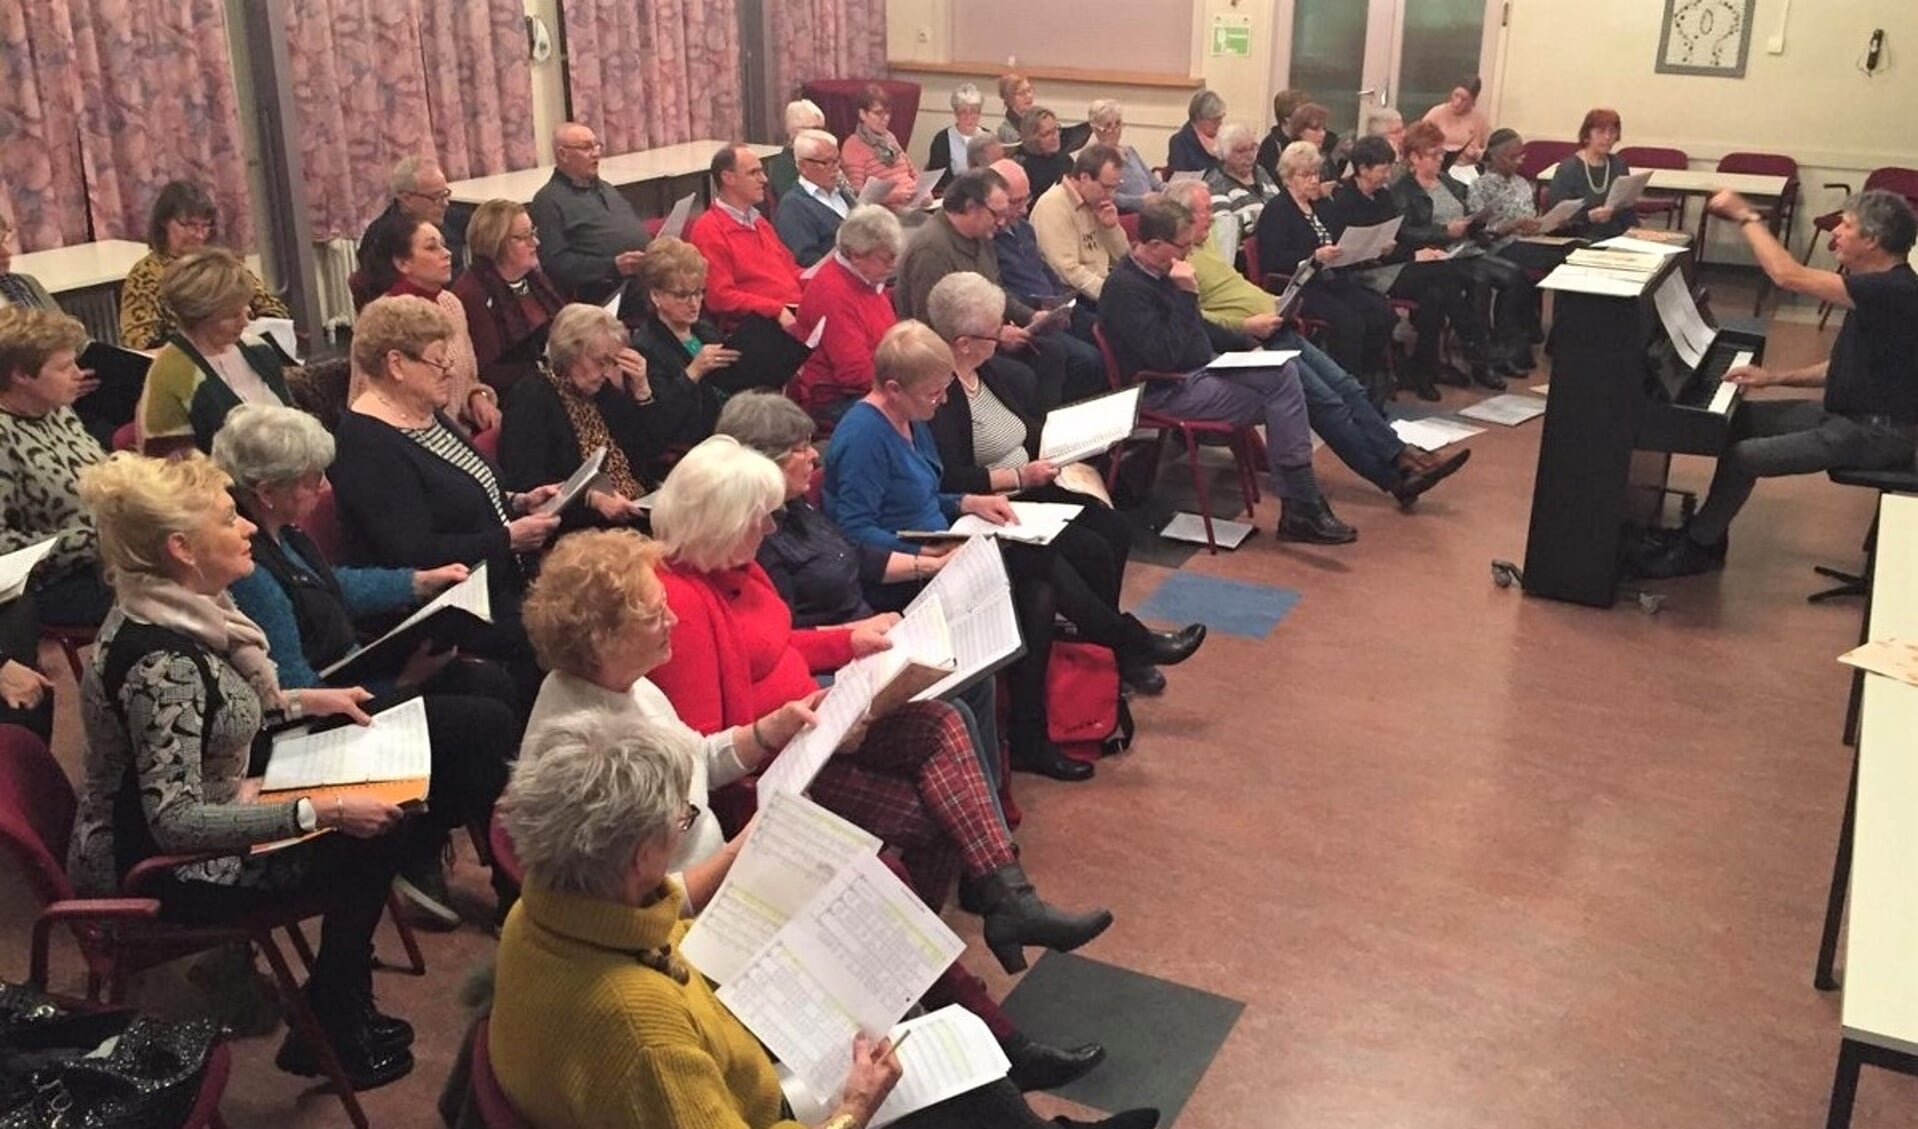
(416, 960)
(1199, 487)
(300, 1017)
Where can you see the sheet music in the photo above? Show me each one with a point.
(922, 188)
(1058, 317)
(1301, 275)
(611, 305)
(976, 595)
(855, 958)
(875, 190)
(1079, 431)
(1591, 280)
(676, 219)
(1039, 523)
(1684, 325)
(17, 565)
(951, 1052)
(394, 747)
(470, 596)
(1252, 358)
(794, 849)
(1363, 244)
(792, 771)
(1640, 246)
(1433, 432)
(1558, 215)
(277, 330)
(577, 484)
(1508, 409)
(1626, 190)
(921, 636)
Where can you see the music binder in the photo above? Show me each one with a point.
(123, 376)
(455, 618)
(768, 356)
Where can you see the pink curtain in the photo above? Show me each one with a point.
(647, 73)
(103, 102)
(814, 39)
(376, 80)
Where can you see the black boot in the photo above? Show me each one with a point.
(1047, 760)
(1017, 917)
(1036, 1066)
(1423, 374)
(360, 1037)
(1314, 523)
(1124, 1119)
(1142, 678)
(1170, 648)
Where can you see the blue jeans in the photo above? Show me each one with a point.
(1343, 415)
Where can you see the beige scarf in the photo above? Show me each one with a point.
(212, 621)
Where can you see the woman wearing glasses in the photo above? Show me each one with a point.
(1136, 178)
(508, 300)
(183, 220)
(874, 151)
(681, 348)
(408, 257)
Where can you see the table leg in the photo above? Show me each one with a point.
(1840, 885)
(1844, 1085)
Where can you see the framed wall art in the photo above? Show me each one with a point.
(1705, 37)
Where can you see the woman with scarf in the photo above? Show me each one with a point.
(507, 299)
(407, 257)
(593, 393)
(872, 150)
(179, 688)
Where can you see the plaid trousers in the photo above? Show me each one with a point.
(916, 784)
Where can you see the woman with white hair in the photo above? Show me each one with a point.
(179, 688)
(885, 473)
(310, 612)
(592, 393)
(849, 294)
(1239, 187)
(951, 146)
(782, 168)
(598, 1018)
(1136, 178)
(1195, 148)
(912, 779)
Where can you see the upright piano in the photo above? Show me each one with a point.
(1622, 401)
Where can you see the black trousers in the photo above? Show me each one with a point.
(475, 731)
(1358, 323)
(20, 638)
(1443, 292)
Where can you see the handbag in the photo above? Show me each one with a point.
(1086, 712)
(62, 1068)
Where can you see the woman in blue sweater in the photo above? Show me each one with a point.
(277, 458)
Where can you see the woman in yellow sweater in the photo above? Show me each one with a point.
(598, 1022)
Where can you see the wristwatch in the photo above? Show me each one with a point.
(1751, 217)
(306, 816)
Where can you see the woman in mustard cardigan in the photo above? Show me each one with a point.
(598, 1020)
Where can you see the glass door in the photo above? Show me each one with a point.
(1356, 56)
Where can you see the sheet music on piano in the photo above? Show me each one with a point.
(1684, 324)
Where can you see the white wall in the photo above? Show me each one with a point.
(549, 82)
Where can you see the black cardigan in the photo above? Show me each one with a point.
(683, 410)
(1350, 206)
(1285, 236)
(1018, 389)
(537, 443)
(403, 507)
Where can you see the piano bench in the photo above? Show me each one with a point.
(1859, 583)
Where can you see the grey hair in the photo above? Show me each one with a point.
(812, 143)
(803, 113)
(766, 421)
(977, 147)
(271, 444)
(1205, 104)
(1104, 110)
(1886, 217)
(576, 328)
(1379, 121)
(714, 496)
(1299, 158)
(966, 95)
(1194, 194)
(869, 228)
(1234, 134)
(964, 304)
(405, 176)
(590, 790)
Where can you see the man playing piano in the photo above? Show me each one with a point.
(1868, 418)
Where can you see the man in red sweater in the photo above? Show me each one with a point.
(748, 269)
(851, 288)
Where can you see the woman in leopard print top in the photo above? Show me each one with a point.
(183, 219)
(43, 448)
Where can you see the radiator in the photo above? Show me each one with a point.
(336, 260)
(98, 308)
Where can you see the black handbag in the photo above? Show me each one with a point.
(67, 1069)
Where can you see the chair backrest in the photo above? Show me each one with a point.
(495, 1111)
(505, 858)
(1654, 157)
(1759, 164)
(487, 443)
(1129, 223)
(323, 525)
(1542, 155)
(1249, 254)
(1892, 178)
(36, 813)
(1110, 358)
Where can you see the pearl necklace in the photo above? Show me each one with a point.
(1598, 186)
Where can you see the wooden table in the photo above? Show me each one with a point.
(623, 171)
(86, 279)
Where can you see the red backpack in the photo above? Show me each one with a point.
(1086, 714)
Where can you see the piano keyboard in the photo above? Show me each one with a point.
(1725, 398)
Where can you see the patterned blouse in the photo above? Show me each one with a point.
(1509, 197)
(40, 463)
(146, 322)
(189, 773)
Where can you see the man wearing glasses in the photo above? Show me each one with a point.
(1077, 221)
(590, 238)
(419, 191)
(812, 209)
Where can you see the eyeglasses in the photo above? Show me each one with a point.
(443, 364)
(691, 817)
(582, 146)
(440, 197)
(882, 111)
(531, 236)
(829, 162)
(195, 225)
(685, 295)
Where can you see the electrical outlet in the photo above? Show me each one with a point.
(925, 35)
(1775, 45)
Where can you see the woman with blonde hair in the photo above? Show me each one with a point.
(179, 688)
(204, 370)
(508, 300)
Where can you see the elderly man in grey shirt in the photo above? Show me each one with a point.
(590, 238)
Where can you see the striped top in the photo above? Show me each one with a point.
(998, 434)
(444, 445)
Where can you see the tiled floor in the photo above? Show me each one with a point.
(1471, 859)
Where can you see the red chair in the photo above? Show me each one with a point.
(504, 856)
(1658, 203)
(71, 640)
(123, 935)
(1248, 451)
(1129, 223)
(1783, 212)
(495, 1111)
(1891, 178)
(487, 443)
(1542, 155)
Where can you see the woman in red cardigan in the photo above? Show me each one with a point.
(912, 778)
(849, 292)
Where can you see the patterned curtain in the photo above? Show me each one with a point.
(375, 81)
(103, 102)
(825, 39)
(647, 73)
